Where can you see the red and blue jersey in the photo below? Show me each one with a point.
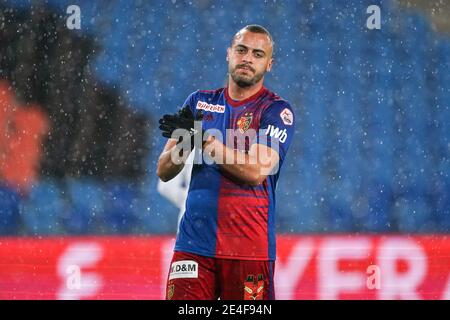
(225, 218)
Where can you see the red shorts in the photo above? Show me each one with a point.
(194, 277)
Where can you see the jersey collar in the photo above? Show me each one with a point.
(237, 103)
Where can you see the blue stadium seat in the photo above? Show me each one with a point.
(413, 214)
(86, 200)
(10, 221)
(119, 214)
(372, 107)
(43, 209)
(155, 214)
(379, 197)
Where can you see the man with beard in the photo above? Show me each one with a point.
(225, 246)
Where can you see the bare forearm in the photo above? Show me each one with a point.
(240, 165)
(168, 165)
(247, 173)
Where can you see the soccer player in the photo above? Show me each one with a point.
(225, 246)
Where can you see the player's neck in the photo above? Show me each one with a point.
(238, 93)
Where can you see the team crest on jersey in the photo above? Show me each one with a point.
(170, 291)
(254, 287)
(245, 121)
(287, 117)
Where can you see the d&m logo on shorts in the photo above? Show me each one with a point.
(183, 269)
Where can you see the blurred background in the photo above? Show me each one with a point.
(79, 107)
(79, 144)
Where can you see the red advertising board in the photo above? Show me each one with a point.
(308, 267)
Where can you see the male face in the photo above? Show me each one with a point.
(249, 58)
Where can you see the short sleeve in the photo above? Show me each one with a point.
(277, 128)
(191, 101)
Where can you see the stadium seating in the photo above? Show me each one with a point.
(44, 208)
(9, 211)
(87, 205)
(372, 147)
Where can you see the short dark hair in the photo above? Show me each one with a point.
(255, 28)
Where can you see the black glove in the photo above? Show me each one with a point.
(183, 119)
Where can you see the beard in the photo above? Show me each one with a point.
(242, 80)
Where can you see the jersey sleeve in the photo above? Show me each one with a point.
(191, 101)
(277, 128)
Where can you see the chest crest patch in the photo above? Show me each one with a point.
(244, 122)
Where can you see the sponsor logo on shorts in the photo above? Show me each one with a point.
(287, 117)
(254, 287)
(170, 291)
(210, 107)
(183, 269)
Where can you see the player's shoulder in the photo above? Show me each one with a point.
(213, 91)
(208, 96)
(278, 106)
(208, 93)
(275, 101)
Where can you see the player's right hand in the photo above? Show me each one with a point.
(183, 119)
